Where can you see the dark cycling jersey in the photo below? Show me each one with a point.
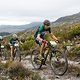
(0, 44)
(0, 47)
(41, 31)
(13, 41)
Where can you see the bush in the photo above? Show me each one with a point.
(28, 44)
(17, 71)
(1, 66)
(75, 31)
(48, 37)
(67, 31)
(75, 71)
(75, 52)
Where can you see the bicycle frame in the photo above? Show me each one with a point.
(2, 52)
(15, 48)
(51, 48)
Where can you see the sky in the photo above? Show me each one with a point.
(19, 12)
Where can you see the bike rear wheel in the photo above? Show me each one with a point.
(37, 64)
(3, 55)
(18, 55)
(58, 62)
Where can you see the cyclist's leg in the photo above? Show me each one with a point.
(11, 47)
(0, 51)
(0, 47)
(39, 43)
(42, 47)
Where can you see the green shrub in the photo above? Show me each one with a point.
(67, 31)
(75, 31)
(27, 45)
(18, 71)
(8, 63)
(74, 52)
(36, 77)
(48, 37)
(75, 71)
(1, 66)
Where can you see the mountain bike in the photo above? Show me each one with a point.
(16, 51)
(57, 59)
(3, 53)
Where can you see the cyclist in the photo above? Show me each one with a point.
(1, 39)
(12, 41)
(39, 36)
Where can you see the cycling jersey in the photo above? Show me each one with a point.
(41, 30)
(13, 41)
(0, 44)
(0, 47)
(1, 40)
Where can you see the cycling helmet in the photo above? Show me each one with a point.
(14, 36)
(46, 22)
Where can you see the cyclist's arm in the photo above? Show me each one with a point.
(53, 36)
(10, 41)
(20, 42)
(38, 37)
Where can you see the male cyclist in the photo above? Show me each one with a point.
(39, 35)
(1, 39)
(12, 41)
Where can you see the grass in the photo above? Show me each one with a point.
(74, 71)
(17, 71)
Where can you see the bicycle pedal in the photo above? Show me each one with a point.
(43, 62)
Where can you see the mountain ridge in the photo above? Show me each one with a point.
(15, 28)
(70, 19)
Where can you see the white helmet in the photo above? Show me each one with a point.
(14, 35)
(1, 37)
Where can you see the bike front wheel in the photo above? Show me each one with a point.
(18, 55)
(37, 64)
(58, 62)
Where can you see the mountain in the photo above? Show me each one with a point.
(69, 19)
(12, 28)
(75, 18)
(4, 33)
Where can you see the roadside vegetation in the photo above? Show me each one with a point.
(16, 71)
